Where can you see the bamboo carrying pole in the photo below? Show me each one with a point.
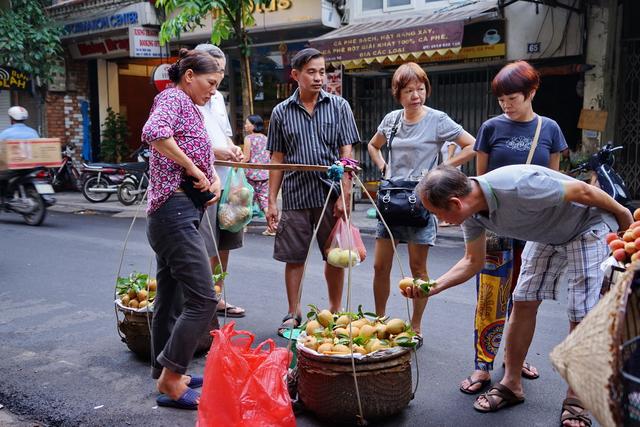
(281, 166)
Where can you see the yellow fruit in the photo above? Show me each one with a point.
(367, 331)
(326, 340)
(353, 331)
(134, 303)
(405, 283)
(381, 330)
(132, 294)
(217, 289)
(153, 285)
(359, 349)
(395, 326)
(360, 322)
(379, 345)
(310, 342)
(125, 300)
(343, 320)
(341, 331)
(143, 304)
(325, 317)
(312, 327)
(142, 295)
(369, 345)
(341, 349)
(323, 348)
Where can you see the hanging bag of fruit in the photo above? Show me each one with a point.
(245, 386)
(345, 244)
(236, 203)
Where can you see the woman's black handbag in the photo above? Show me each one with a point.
(397, 200)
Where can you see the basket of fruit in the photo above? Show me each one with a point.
(380, 349)
(134, 306)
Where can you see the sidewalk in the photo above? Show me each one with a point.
(74, 202)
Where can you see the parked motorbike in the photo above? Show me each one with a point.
(101, 180)
(27, 193)
(600, 166)
(66, 176)
(136, 181)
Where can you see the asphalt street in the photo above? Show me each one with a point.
(62, 362)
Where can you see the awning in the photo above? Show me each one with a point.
(440, 32)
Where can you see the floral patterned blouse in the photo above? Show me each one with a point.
(258, 154)
(174, 114)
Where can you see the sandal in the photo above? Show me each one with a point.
(569, 405)
(498, 391)
(232, 311)
(286, 323)
(527, 372)
(419, 341)
(483, 384)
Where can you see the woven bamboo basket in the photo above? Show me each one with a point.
(590, 359)
(326, 386)
(135, 332)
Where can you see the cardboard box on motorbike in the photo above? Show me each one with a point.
(29, 153)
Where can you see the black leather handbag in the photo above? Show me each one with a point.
(397, 200)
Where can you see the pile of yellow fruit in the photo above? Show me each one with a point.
(136, 290)
(332, 334)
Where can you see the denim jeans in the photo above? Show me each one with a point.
(185, 301)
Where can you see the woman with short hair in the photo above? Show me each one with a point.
(420, 133)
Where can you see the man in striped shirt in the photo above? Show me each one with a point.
(309, 127)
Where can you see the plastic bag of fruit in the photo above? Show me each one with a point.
(245, 386)
(344, 245)
(235, 208)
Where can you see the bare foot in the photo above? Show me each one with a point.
(484, 403)
(477, 378)
(172, 384)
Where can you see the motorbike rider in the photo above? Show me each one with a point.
(18, 129)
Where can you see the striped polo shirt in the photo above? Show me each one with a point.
(310, 139)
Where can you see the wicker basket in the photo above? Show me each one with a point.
(326, 386)
(590, 359)
(134, 329)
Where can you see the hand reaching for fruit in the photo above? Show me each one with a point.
(416, 288)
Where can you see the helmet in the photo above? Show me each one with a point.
(18, 113)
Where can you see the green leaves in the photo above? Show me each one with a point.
(135, 281)
(30, 40)
(114, 147)
(218, 274)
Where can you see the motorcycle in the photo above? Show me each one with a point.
(27, 193)
(600, 166)
(67, 175)
(136, 181)
(101, 180)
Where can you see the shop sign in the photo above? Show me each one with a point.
(395, 42)
(13, 79)
(110, 47)
(141, 13)
(145, 43)
(160, 77)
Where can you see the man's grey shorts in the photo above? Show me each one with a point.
(226, 240)
(543, 266)
(295, 230)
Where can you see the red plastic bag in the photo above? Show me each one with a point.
(344, 244)
(244, 386)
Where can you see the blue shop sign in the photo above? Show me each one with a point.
(117, 20)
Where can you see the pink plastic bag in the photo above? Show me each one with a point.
(345, 244)
(244, 387)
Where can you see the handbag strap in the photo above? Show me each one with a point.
(394, 130)
(534, 143)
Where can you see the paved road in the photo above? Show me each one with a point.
(62, 362)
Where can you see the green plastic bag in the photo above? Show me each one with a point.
(236, 203)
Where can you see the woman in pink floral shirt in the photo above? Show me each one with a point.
(180, 152)
(255, 151)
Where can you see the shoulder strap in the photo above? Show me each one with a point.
(394, 130)
(534, 143)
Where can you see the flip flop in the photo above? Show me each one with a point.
(419, 341)
(483, 384)
(580, 415)
(285, 325)
(195, 381)
(498, 391)
(525, 374)
(232, 311)
(188, 400)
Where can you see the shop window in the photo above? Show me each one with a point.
(369, 6)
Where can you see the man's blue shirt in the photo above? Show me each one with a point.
(19, 131)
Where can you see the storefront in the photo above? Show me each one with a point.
(16, 89)
(111, 53)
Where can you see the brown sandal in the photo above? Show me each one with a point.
(483, 384)
(569, 405)
(498, 391)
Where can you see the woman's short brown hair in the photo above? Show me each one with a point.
(406, 74)
(517, 77)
